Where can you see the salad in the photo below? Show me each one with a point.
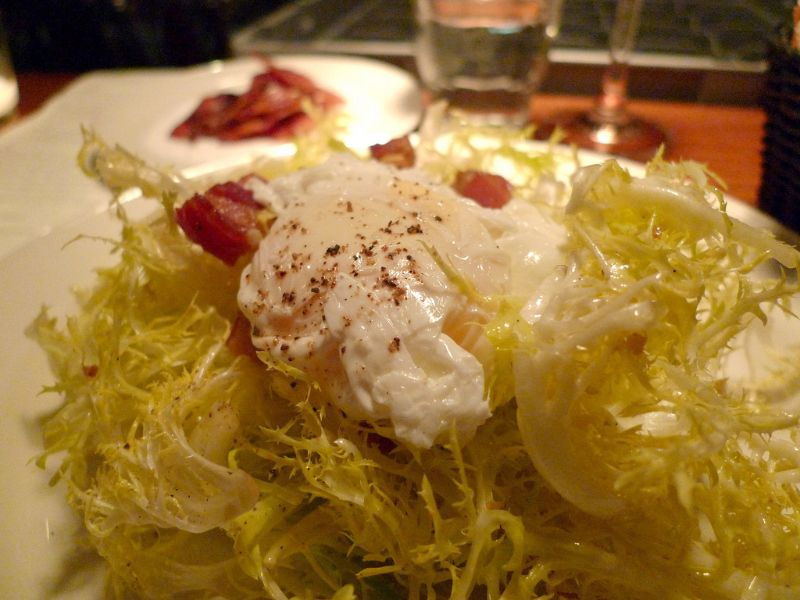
(390, 390)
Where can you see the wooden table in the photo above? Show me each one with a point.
(727, 139)
(36, 88)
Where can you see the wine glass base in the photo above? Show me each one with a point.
(634, 138)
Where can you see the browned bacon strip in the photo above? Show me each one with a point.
(207, 112)
(271, 107)
(487, 189)
(319, 96)
(223, 221)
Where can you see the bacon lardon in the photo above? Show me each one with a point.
(397, 152)
(487, 189)
(224, 220)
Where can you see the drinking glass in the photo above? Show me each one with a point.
(485, 58)
(609, 126)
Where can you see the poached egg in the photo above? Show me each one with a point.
(346, 286)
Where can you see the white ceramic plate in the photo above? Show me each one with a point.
(39, 538)
(37, 532)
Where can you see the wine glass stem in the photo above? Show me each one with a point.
(610, 105)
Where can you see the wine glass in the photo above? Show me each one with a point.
(609, 126)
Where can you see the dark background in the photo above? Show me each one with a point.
(708, 51)
(81, 35)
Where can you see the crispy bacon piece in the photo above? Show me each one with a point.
(271, 107)
(240, 341)
(487, 189)
(206, 112)
(90, 370)
(223, 220)
(318, 95)
(398, 152)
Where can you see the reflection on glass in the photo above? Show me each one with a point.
(485, 58)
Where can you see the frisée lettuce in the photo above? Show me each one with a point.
(625, 457)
